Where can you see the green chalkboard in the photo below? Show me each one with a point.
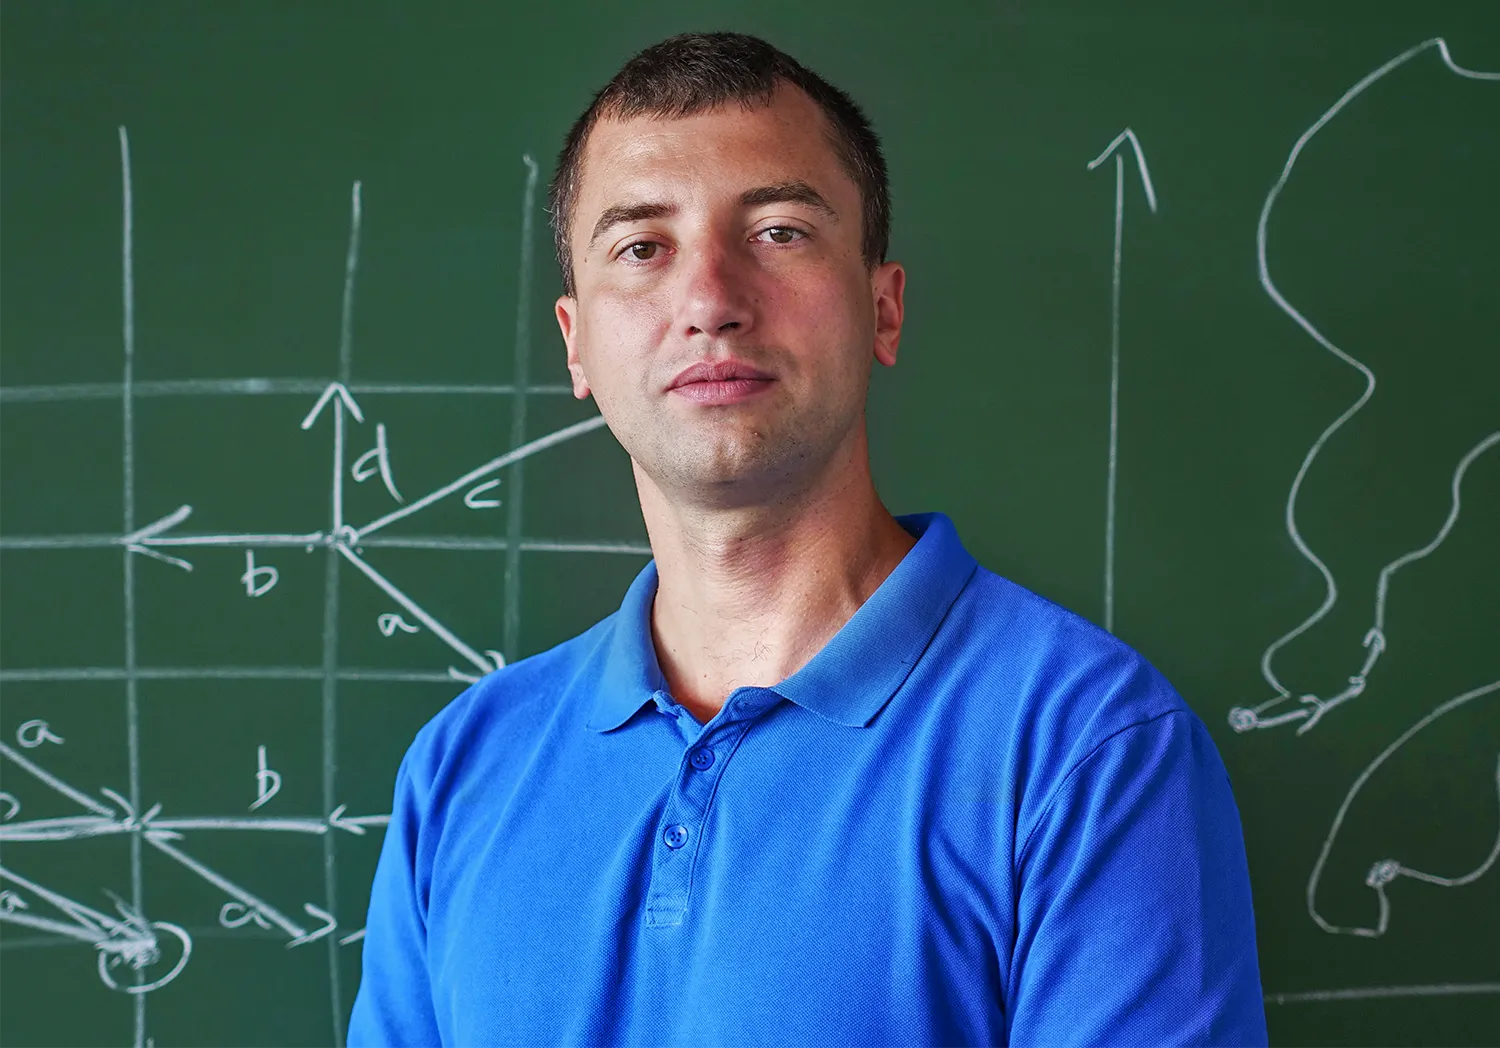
(1230, 388)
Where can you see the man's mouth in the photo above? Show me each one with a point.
(720, 382)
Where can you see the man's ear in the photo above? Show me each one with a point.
(566, 309)
(888, 285)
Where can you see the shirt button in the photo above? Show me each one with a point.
(676, 836)
(702, 759)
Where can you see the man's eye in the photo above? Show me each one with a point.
(782, 234)
(643, 251)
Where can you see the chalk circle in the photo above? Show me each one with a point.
(146, 955)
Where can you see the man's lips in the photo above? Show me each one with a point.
(724, 391)
(720, 382)
(718, 371)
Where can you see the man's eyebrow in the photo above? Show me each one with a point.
(613, 216)
(794, 192)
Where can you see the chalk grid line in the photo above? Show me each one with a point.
(1370, 993)
(240, 387)
(511, 622)
(132, 696)
(331, 616)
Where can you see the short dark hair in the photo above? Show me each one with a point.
(695, 72)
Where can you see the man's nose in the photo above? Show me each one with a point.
(715, 292)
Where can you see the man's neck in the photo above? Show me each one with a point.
(748, 597)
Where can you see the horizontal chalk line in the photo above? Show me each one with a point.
(1364, 993)
(438, 542)
(108, 673)
(251, 387)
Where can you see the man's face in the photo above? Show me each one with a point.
(732, 238)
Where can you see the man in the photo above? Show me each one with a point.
(821, 780)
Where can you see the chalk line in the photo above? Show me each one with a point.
(1111, 484)
(511, 631)
(257, 387)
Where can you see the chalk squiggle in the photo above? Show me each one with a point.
(1385, 871)
(1313, 707)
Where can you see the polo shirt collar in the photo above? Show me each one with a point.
(855, 673)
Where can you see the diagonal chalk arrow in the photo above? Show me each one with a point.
(1115, 149)
(437, 628)
(89, 924)
(329, 924)
(160, 841)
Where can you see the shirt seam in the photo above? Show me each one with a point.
(1057, 790)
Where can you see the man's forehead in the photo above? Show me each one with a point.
(790, 139)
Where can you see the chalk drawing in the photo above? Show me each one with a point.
(1384, 872)
(137, 953)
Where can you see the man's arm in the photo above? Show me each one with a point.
(1134, 922)
(394, 1003)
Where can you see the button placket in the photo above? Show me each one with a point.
(686, 812)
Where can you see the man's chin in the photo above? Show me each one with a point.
(723, 483)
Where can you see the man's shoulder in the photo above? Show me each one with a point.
(1063, 675)
(1063, 693)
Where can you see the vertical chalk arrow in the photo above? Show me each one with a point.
(325, 397)
(344, 401)
(1114, 149)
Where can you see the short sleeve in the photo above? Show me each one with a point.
(394, 1002)
(1134, 921)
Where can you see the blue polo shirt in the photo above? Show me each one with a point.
(973, 818)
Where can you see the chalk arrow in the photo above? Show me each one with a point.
(346, 401)
(138, 541)
(329, 923)
(333, 387)
(1115, 149)
(338, 822)
(156, 527)
(1140, 159)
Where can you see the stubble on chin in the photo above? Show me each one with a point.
(739, 464)
(706, 455)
